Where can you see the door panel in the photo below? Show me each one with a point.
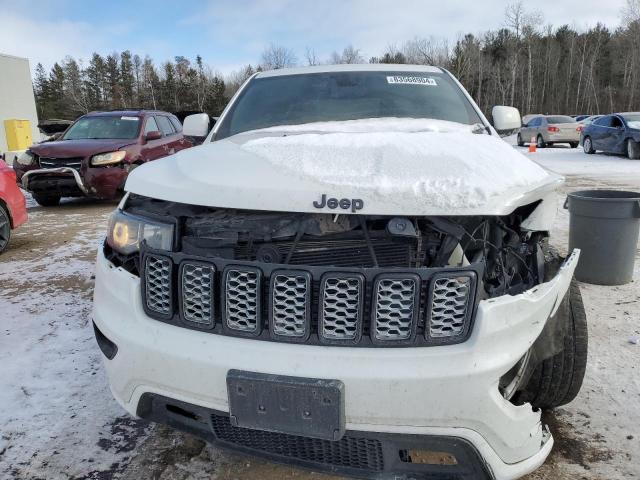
(152, 149)
(616, 136)
(600, 133)
(171, 138)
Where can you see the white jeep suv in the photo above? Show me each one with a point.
(350, 274)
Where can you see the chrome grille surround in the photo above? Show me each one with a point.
(450, 305)
(395, 308)
(158, 285)
(290, 312)
(341, 308)
(197, 283)
(46, 162)
(242, 307)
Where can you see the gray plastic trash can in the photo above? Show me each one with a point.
(604, 225)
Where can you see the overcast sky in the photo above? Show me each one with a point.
(231, 33)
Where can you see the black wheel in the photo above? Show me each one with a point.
(5, 228)
(574, 144)
(520, 142)
(633, 150)
(46, 200)
(540, 142)
(587, 145)
(557, 380)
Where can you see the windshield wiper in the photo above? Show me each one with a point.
(480, 129)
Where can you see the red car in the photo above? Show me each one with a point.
(13, 207)
(96, 153)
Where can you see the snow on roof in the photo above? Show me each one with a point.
(352, 67)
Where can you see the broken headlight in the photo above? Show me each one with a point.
(127, 232)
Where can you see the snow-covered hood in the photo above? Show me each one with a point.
(378, 166)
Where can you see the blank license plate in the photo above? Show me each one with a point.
(307, 407)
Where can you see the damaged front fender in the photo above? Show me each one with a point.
(531, 310)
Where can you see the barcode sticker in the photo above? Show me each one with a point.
(406, 80)
(129, 118)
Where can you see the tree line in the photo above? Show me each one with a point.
(535, 67)
(122, 80)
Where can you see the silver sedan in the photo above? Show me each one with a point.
(545, 130)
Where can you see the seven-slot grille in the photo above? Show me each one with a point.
(197, 293)
(339, 308)
(449, 306)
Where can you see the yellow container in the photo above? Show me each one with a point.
(18, 134)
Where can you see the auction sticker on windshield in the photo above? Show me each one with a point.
(128, 118)
(405, 80)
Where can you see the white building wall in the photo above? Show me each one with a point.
(16, 96)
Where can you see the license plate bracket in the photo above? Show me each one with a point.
(306, 407)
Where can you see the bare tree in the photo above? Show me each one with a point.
(630, 13)
(426, 51)
(276, 56)
(348, 55)
(310, 57)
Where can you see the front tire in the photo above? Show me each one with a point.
(587, 145)
(5, 228)
(520, 142)
(46, 200)
(633, 150)
(573, 144)
(540, 142)
(556, 381)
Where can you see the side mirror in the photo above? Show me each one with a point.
(154, 135)
(506, 118)
(196, 125)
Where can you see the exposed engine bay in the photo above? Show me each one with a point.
(513, 259)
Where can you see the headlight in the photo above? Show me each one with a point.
(108, 158)
(25, 158)
(126, 233)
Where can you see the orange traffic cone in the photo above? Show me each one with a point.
(532, 145)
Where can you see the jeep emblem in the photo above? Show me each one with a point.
(354, 204)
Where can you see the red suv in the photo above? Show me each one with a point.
(96, 153)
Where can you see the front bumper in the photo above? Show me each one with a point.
(444, 391)
(66, 181)
(48, 172)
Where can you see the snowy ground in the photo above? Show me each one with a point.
(58, 420)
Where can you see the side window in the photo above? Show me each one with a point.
(176, 124)
(151, 126)
(616, 122)
(535, 122)
(165, 125)
(603, 122)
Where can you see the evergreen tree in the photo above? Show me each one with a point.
(127, 79)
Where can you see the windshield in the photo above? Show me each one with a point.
(339, 96)
(561, 119)
(104, 127)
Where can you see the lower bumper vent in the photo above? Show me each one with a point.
(352, 452)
